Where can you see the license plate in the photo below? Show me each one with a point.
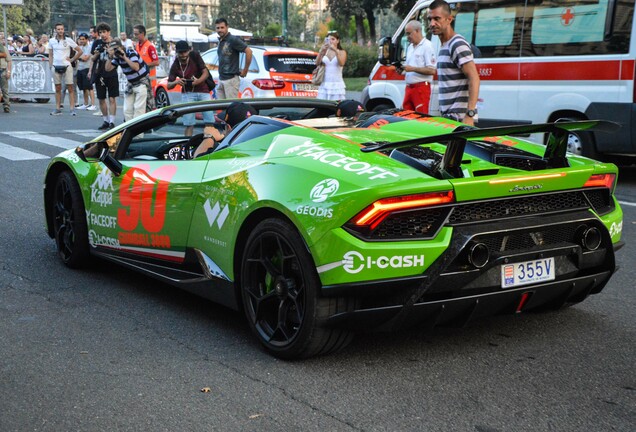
(524, 273)
(305, 87)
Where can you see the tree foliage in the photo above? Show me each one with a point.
(403, 7)
(248, 15)
(362, 11)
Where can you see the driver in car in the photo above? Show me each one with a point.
(211, 137)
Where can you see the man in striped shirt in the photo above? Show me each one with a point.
(456, 71)
(136, 73)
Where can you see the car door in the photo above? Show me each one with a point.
(147, 209)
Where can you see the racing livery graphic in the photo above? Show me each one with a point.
(315, 228)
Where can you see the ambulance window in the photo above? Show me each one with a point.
(492, 27)
(579, 27)
(464, 22)
(495, 27)
(575, 24)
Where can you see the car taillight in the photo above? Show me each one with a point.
(268, 84)
(602, 180)
(374, 214)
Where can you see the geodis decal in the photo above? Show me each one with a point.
(143, 197)
(323, 190)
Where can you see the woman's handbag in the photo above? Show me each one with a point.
(60, 69)
(318, 75)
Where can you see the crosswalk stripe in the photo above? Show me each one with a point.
(18, 154)
(89, 133)
(55, 141)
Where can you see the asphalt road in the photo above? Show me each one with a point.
(106, 349)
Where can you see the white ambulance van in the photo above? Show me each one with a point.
(539, 61)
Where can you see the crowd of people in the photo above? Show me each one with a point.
(90, 64)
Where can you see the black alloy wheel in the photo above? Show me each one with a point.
(280, 288)
(161, 98)
(69, 221)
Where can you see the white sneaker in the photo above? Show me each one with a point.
(97, 113)
(91, 108)
(81, 107)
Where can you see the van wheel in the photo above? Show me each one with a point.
(382, 107)
(581, 143)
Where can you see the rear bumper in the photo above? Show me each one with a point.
(453, 291)
(461, 310)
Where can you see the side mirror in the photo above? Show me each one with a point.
(386, 51)
(94, 152)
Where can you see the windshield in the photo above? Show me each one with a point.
(295, 63)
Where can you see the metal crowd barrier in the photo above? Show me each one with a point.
(31, 78)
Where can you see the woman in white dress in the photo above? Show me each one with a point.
(333, 57)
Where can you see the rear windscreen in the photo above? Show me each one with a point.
(290, 63)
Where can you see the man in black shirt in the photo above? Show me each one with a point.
(229, 48)
(105, 81)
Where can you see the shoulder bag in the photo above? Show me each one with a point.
(318, 75)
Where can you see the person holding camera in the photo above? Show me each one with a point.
(189, 71)
(136, 73)
(106, 81)
(62, 52)
(333, 57)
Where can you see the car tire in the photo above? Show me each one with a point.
(161, 98)
(280, 293)
(69, 221)
(382, 107)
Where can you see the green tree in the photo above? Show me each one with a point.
(360, 10)
(248, 15)
(15, 20)
(36, 14)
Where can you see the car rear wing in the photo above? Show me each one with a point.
(450, 166)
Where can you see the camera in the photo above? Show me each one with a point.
(188, 84)
(119, 52)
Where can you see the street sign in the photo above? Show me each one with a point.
(12, 2)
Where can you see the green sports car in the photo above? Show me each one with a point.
(318, 226)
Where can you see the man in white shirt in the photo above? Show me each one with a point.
(62, 51)
(419, 68)
(127, 43)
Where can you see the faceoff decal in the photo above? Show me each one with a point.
(338, 160)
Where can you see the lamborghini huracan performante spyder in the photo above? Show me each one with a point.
(317, 226)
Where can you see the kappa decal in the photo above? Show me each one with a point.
(102, 188)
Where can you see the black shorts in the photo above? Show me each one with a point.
(110, 84)
(82, 80)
